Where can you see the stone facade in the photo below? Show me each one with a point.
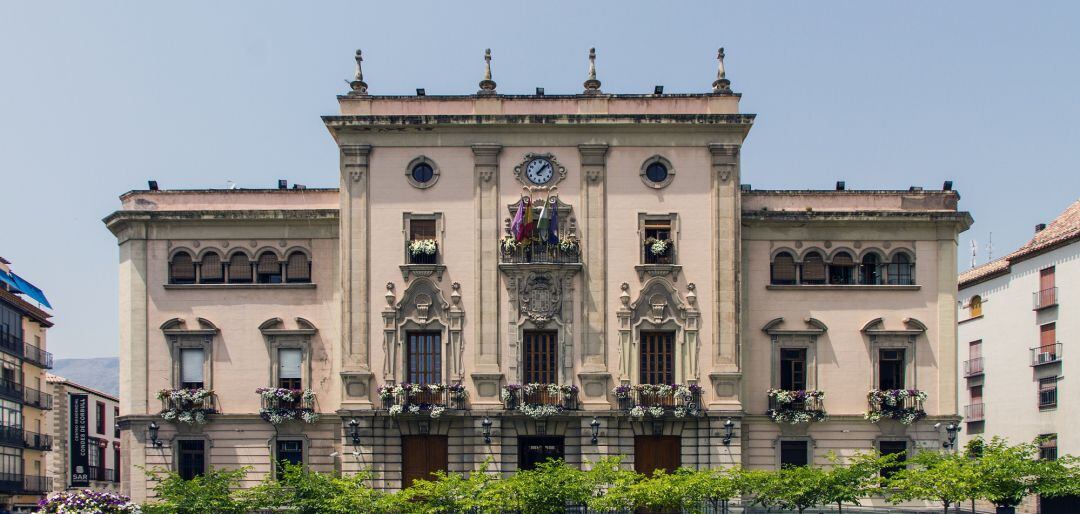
(104, 473)
(701, 311)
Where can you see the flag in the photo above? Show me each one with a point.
(542, 224)
(517, 227)
(529, 227)
(553, 224)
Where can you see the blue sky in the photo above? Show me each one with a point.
(97, 97)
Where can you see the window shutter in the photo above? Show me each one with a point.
(268, 263)
(289, 362)
(239, 268)
(813, 268)
(211, 267)
(843, 259)
(191, 365)
(783, 268)
(182, 267)
(298, 268)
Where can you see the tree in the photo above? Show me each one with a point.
(800, 487)
(1009, 473)
(304, 491)
(547, 489)
(944, 478)
(447, 493)
(856, 479)
(213, 491)
(614, 488)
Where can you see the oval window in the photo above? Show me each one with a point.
(423, 173)
(656, 172)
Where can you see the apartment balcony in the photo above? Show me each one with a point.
(11, 390)
(973, 412)
(797, 406)
(973, 367)
(100, 474)
(37, 356)
(540, 400)
(538, 253)
(658, 400)
(1048, 354)
(11, 344)
(11, 483)
(429, 399)
(36, 441)
(1044, 299)
(903, 405)
(419, 263)
(37, 484)
(11, 436)
(35, 398)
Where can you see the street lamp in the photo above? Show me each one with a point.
(729, 431)
(485, 430)
(595, 424)
(154, 434)
(951, 429)
(354, 432)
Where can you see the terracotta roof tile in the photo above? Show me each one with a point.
(1064, 229)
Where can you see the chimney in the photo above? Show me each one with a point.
(1040, 227)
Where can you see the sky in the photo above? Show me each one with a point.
(98, 97)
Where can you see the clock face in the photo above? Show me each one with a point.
(540, 171)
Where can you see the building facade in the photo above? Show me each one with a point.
(103, 437)
(24, 400)
(1014, 324)
(515, 277)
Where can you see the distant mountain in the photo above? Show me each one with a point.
(101, 373)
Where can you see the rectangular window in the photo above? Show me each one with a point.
(420, 230)
(116, 464)
(191, 462)
(537, 450)
(793, 369)
(794, 453)
(540, 357)
(657, 358)
(424, 358)
(93, 457)
(891, 369)
(898, 448)
(975, 349)
(976, 394)
(101, 417)
(657, 237)
(289, 361)
(1047, 337)
(1048, 392)
(290, 451)
(1048, 447)
(116, 424)
(191, 368)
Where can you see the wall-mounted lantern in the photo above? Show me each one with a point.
(595, 424)
(154, 434)
(485, 430)
(729, 431)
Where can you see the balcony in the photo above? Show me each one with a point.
(419, 262)
(281, 405)
(973, 412)
(1044, 299)
(1048, 354)
(11, 436)
(973, 367)
(903, 405)
(535, 252)
(100, 474)
(796, 407)
(36, 441)
(11, 390)
(11, 483)
(659, 400)
(37, 484)
(37, 356)
(35, 398)
(540, 400)
(10, 343)
(429, 399)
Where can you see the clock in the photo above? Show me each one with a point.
(540, 171)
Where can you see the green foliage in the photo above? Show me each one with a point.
(215, 491)
(547, 489)
(849, 482)
(447, 493)
(1010, 473)
(614, 488)
(303, 491)
(936, 477)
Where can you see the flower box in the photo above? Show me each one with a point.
(903, 405)
(797, 406)
(539, 400)
(433, 399)
(282, 405)
(189, 406)
(658, 400)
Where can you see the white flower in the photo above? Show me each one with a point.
(437, 411)
(395, 410)
(414, 408)
(309, 416)
(680, 412)
(656, 411)
(637, 411)
(422, 247)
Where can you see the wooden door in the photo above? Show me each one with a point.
(422, 455)
(656, 452)
(1047, 338)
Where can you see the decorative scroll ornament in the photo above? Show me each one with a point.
(541, 298)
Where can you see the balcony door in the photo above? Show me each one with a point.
(1047, 338)
(423, 358)
(653, 452)
(540, 357)
(657, 358)
(422, 455)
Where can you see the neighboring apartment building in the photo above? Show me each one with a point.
(1018, 314)
(599, 245)
(24, 402)
(102, 448)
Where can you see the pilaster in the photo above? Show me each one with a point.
(486, 328)
(726, 244)
(355, 280)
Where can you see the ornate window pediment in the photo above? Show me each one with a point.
(422, 307)
(180, 337)
(659, 306)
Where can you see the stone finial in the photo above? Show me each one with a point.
(592, 86)
(487, 86)
(721, 84)
(359, 87)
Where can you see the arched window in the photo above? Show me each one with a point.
(297, 268)
(870, 271)
(239, 269)
(268, 269)
(182, 269)
(783, 269)
(842, 269)
(211, 269)
(901, 270)
(975, 306)
(813, 269)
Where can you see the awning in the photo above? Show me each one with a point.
(31, 290)
(5, 278)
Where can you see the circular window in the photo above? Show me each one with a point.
(656, 172)
(422, 173)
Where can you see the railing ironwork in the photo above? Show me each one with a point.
(1046, 354)
(973, 412)
(973, 367)
(1045, 298)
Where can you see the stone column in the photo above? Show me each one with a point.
(487, 373)
(595, 374)
(355, 280)
(727, 249)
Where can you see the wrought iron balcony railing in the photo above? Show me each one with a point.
(538, 253)
(973, 367)
(37, 484)
(11, 483)
(11, 389)
(11, 436)
(36, 441)
(38, 356)
(422, 258)
(100, 474)
(10, 343)
(1048, 354)
(797, 406)
(1045, 298)
(973, 412)
(415, 398)
(657, 400)
(903, 405)
(540, 396)
(35, 398)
